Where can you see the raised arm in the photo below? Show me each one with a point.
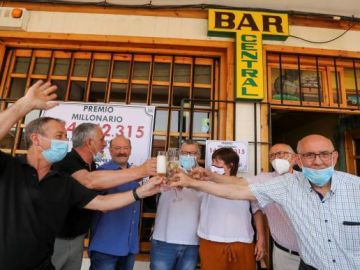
(118, 200)
(206, 175)
(38, 96)
(238, 191)
(99, 180)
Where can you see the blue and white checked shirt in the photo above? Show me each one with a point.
(328, 230)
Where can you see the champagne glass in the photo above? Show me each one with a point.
(173, 164)
(161, 163)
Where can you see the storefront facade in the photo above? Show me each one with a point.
(165, 57)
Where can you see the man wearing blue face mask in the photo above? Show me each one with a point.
(321, 203)
(34, 198)
(88, 145)
(175, 242)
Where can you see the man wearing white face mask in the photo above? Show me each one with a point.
(321, 203)
(285, 250)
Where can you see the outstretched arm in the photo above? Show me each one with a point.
(238, 191)
(206, 175)
(118, 200)
(39, 96)
(106, 179)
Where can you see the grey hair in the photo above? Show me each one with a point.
(291, 150)
(189, 141)
(36, 126)
(83, 132)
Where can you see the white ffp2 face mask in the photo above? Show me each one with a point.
(281, 166)
(218, 170)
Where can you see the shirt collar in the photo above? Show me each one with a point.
(116, 166)
(23, 160)
(334, 182)
(76, 154)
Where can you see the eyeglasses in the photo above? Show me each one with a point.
(324, 156)
(118, 148)
(280, 154)
(189, 153)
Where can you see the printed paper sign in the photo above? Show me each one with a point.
(240, 147)
(134, 122)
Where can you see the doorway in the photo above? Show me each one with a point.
(342, 129)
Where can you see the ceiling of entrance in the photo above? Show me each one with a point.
(347, 8)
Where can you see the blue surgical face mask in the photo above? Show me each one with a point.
(187, 162)
(318, 177)
(98, 157)
(218, 170)
(57, 151)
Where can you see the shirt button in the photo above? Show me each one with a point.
(134, 211)
(329, 240)
(326, 220)
(334, 261)
(133, 222)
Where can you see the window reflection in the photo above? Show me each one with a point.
(21, 64)
(81, 68)
(42, 66)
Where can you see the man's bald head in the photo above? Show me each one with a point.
(314, 143)
(281, 147)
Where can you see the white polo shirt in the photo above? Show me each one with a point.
(176, 222)
(226, 221)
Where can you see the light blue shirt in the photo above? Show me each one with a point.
(116, 232)
(325, 238)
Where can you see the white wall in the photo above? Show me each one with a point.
(171, 27)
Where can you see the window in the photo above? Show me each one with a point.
(313, 81)
(126, 78)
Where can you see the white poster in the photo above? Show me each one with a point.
(240, 147)
(134, 122)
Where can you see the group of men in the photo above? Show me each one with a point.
(321, 204)
(312, 214)
(47, 193)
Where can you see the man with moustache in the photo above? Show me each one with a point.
(88, 145)
(34, 197)
(115, 239)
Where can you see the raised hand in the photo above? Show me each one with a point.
(182, 180)
(151, 187)
(41, 96)
(149, 167)
(201, 174)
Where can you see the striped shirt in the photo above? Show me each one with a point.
(280, 226)
(328, 229)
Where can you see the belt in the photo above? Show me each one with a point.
(304, 266)
(285, 249)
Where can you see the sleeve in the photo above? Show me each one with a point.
(269, 192)
(80, 195)
(254, 206)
